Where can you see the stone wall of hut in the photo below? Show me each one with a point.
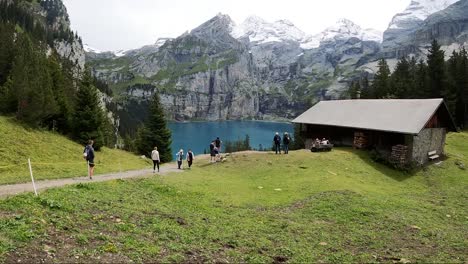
(427, 140)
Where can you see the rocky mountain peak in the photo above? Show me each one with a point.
(220, 21)
(405, 23)
(417, 11)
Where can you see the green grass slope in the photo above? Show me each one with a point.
(52, 155)
(304, 207)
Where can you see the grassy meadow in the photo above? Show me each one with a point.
(52, 156)
(334, 207)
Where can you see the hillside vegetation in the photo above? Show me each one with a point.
(254, 207)
(52, 155)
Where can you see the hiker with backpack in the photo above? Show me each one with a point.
(190, 156)
(88, 155)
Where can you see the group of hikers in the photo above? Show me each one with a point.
(215, 153)
(277, 141)
(324, 141)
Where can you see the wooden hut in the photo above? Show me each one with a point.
(401, 130)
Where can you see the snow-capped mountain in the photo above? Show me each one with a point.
(343, 29)
(418, 10)
(260, 31)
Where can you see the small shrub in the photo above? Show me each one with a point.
(51, 204)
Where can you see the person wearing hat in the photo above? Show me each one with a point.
(286, 140)
(277, 142)
(180, 158)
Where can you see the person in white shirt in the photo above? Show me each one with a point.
(180, 158)
(155, 158)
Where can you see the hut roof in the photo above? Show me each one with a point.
(407, 116)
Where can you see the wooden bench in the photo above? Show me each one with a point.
(432, 155)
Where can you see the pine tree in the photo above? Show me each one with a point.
(154, 132)
(401, 79)
(6, 51)
(366, 90)
(89, 121)
(298, 142)
(436, 71)
(422, 89)
(381, 84)
(354, 91)
(412, 90)
(246, 145)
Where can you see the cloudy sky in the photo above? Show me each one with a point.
(128, 24)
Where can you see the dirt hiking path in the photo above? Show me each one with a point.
(14, 189)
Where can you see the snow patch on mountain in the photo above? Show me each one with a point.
(161, 41)
(419, 10)
(260, 31)
(343, 29)
(89, 49)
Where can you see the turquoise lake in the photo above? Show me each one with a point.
(198, 135)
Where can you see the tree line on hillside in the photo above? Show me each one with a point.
(41, 90)
(412, 79)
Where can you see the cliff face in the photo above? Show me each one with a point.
(212, 74)
(449, 26)
(55, 17)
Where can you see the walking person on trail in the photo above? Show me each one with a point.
(277, 141)
(88, 155)
(180, 158)
(218, 144)
(286, 140)
(155, 158)
(212, 152)
(190, 158)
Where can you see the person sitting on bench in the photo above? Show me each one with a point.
(317, 142)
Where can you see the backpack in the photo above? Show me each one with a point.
(85, 153)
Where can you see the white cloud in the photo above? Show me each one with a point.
(126, 24)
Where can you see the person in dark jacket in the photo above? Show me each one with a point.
(286, 140)
(277, 141)
(218, 144)
(189, 158)
(88, 155)
(212, 152)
